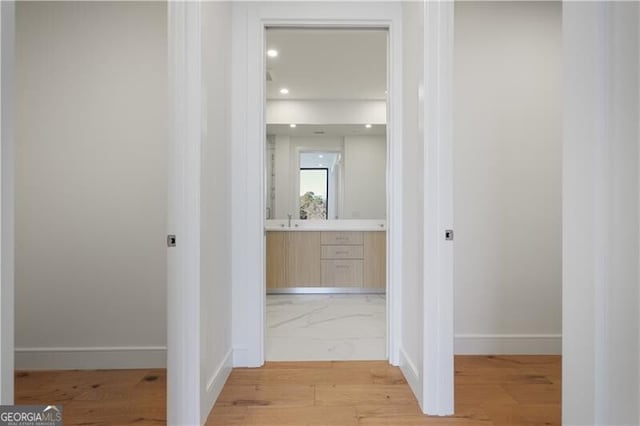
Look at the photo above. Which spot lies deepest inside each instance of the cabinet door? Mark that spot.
(276, 254)
(303, 259)
(375, 260)
(342, 273)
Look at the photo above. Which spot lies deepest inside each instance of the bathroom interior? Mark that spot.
(326, 194)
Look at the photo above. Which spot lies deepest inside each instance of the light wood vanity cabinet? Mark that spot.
(302, 265)
(326, 259)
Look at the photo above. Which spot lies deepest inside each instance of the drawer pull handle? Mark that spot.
(342, 252)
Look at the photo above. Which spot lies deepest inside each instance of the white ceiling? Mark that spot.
(326, 129)
(327, 63)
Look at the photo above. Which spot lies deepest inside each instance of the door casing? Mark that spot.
(250, 282)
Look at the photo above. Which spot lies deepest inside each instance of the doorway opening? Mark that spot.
(326, 197)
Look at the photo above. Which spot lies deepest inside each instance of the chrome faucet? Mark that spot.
(289, 220)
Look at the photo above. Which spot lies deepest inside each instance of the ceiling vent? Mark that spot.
(318, 132)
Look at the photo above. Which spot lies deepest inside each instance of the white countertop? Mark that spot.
(326, 225)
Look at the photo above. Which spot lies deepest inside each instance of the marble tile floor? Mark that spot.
(326, 327)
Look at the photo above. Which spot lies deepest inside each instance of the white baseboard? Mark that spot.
(508, 344)
(215, 384)
(410, 373)
(89, 358)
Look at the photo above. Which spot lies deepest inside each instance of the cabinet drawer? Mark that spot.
(338, 237)
(342, 273)
(342, 252)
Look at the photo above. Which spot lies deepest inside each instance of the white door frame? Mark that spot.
(438, 303)
(183, 220)
(249, 302)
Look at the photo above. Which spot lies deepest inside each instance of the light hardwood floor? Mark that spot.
(493, 390)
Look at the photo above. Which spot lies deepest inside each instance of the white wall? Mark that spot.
(7, 201)
(215, 254)
(507, 183)
(248, 304)
(600, 210)
(91, 184)
(365, 186)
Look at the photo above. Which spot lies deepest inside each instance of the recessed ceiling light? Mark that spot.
(292, 125)
(272, 53)
(284, 91)
(368, 126)
(319, 164)
(320, 156)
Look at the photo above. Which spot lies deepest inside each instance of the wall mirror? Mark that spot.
(326, 150)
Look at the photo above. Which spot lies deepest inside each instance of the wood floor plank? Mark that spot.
(525, 414)
(316, 415)
(364, 395)
(267, 395)
(480, 376)
(288, 376)
(534, 393)
(482, 395)
(111, 412)
(552, 371)
(222, 415)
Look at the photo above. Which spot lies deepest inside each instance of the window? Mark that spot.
(314, 192)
